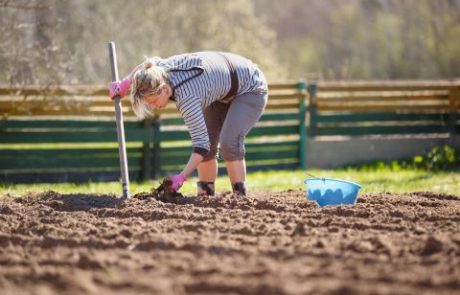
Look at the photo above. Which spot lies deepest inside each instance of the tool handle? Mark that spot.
(120, 125)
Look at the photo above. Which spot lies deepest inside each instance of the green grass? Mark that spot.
(375, 180)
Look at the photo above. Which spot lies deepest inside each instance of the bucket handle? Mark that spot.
(322, 178)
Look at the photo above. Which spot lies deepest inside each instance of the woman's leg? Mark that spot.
(207, 174)
(236, 170)
(207, 170)
(243, 113)
(214, 116)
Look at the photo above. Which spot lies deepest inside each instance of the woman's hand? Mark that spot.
(174, 183)
(119, 88)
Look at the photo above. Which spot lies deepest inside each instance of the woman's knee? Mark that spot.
(232, 149)
(211, 154)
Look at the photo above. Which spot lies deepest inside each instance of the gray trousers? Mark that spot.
(229, 123)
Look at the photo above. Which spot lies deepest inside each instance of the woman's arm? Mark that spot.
(192, 164)
(174, 183)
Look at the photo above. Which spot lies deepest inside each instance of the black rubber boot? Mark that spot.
(239, 189)
(205, 188)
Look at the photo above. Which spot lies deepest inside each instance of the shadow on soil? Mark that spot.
(73, 202)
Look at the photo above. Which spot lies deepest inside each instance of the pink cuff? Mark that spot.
(177, 181)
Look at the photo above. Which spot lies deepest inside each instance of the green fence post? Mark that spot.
(156, 164)
(312, 109)
(146, 167)
(454, 103)
(302, 132)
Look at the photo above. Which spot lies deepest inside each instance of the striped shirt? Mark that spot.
(199, 79)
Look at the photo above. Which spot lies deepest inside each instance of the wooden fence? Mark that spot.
(383, 108)
(68, 133)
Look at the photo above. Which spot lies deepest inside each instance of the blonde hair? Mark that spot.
(146, 79)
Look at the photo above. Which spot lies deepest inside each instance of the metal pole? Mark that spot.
(120, 126)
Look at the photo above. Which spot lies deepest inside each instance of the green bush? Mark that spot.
(439, 158)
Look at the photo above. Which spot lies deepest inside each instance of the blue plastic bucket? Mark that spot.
(329, 191)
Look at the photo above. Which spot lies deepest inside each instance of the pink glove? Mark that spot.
(174, 183)
(119, 87)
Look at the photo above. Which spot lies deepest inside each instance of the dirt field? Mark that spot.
(264, 244)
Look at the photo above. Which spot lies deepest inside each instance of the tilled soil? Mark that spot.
(266, 243)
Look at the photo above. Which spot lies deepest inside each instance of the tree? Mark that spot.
(366, 39)
(76, 32)
(28, 51)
